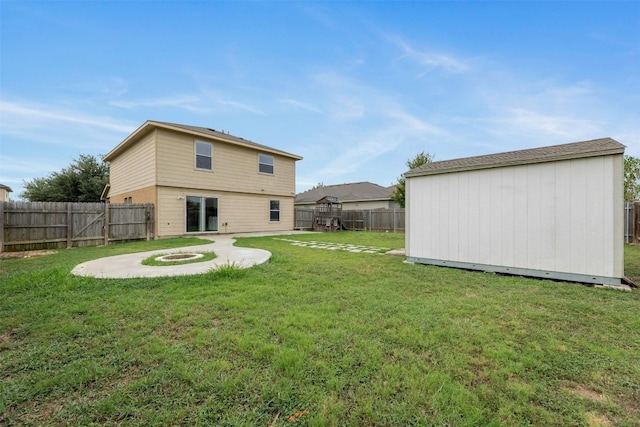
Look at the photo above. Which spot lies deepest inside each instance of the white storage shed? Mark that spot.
(553, 212)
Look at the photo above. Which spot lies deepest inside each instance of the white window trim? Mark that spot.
(273, 164)
(195, 155)
(279, 210)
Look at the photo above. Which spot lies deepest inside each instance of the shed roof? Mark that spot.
(356, 191)
(6, 188)
(574, 150)
(195, 131)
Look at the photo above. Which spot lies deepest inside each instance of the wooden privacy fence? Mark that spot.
(632, 222)
(304, 218)
(358, 220)
(52, 225)
(394, 220)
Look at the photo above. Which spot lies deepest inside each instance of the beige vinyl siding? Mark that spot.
(235, 168)
(555, 216)
(143, 195)
(245, 213)
(171, 212)
(159, 167)
(241, 212)
(135, 168)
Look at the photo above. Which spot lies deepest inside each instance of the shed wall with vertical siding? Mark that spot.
(560, 219)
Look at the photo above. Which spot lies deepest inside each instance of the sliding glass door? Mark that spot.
(202, 214)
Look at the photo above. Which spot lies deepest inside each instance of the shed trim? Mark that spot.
(574, 150)
(516, 271)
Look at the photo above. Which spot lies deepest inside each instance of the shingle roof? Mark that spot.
(356, 191)
(222, 135)
(196, 131)
(574, 150)
(6, 187)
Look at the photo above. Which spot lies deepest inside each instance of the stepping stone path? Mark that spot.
(337, 246)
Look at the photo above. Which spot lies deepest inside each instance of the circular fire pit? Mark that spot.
(178, 257)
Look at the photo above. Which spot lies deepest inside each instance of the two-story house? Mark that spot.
(202, 180)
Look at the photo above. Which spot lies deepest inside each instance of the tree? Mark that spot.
(318, 185)
(631, 178)
(420, 159)
(82, 181)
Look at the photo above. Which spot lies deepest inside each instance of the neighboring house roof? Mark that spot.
(354, 192)
(6, 187)
(195, 131)
(574, 150)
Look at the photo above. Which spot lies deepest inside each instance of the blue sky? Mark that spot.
(356, 88)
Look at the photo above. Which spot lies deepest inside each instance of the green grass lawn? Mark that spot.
(351, 338)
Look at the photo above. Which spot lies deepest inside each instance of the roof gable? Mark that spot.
(357, 191)
(574, 150)
(196, 131)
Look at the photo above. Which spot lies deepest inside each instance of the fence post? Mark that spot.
(636, 218)
(394, 220)
(626, 222)
(69, 226)
(2, 205)
(106, 223)
(636, 229)
(147, 218)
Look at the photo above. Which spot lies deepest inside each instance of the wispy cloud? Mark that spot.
(396, 128)
(300, 105)
(542, 112)
(96, 87)
(498, 111)
(241, 106)
(430, 60)
(545, 127)
(315, 12)
(367, 126)
(15, 115)
(188, 102)
(345, 108)
(15, 171)
(46, 137)
(43, 127)
(204, 103)
(345, 98)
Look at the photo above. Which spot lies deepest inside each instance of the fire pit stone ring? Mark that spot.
(179, 257)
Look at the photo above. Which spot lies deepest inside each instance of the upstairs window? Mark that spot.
(265, 164)
(204, 155)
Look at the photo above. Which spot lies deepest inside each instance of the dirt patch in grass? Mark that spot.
(594, 419)
(25, 254)
(597, 420)
(4, 337)
(8, 336)
(589, 394)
